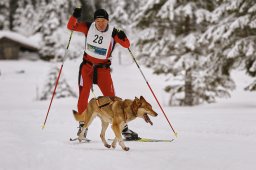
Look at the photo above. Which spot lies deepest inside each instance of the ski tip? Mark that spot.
(43, 126)
(176, 134)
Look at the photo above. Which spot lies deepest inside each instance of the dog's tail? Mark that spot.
(77, 116)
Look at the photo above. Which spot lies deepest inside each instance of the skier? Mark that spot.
(101, 38)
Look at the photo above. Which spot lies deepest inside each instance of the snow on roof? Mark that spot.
(25, 41)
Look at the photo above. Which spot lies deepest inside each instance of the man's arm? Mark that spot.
(73, 23)
(121, 38)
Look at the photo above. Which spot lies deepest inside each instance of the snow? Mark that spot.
(218, 136)
(202, 15)
(253, 24)
(252, 9)
(190, 41)
(32, 42)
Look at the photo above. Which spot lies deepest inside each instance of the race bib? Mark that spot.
(97, 43)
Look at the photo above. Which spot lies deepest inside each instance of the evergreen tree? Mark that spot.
(25, 18)
(231, 38)
(170, 45)
(12, 8)
(63, 89)
(4, 13)
(53, 45)
(122, 12)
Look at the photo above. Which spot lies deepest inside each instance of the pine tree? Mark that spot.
(25, 18)
(63, 89)
(231, 38)
(12, 9)
(169, 44)
(122, 12)
(53, 18)
(53, 45)
(117, 12)
(52, 22)
(4, 13)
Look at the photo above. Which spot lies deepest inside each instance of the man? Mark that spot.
(95, 68)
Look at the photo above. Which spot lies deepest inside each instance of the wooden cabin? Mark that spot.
(12, 43)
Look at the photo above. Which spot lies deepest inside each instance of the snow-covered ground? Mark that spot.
(219, 136)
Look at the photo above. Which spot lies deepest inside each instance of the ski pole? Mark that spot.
(57, 80)
(152, 92)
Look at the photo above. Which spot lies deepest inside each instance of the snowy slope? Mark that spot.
(219, 136)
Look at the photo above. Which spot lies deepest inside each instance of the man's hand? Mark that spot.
(121, 35)
(77, 12)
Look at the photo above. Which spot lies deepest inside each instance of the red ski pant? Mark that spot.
(105, 84)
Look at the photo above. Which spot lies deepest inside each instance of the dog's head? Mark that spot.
(143, 109)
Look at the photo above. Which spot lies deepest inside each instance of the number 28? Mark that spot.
(98, 39)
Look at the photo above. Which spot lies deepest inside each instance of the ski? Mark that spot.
(154, 140)
(138, 140)
(147, 140)
(83, 140)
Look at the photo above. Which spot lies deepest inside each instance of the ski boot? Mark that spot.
(82, 136)
(129, 135)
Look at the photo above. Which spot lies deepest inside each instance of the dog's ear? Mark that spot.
(137, 102)
(142, 98)
(135, 105)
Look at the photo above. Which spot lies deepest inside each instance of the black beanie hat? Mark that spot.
(100, 13)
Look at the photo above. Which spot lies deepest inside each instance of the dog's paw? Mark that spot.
(113, 146)
(126, 148)
(107, 146)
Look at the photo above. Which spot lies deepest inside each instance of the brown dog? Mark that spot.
(116, 111)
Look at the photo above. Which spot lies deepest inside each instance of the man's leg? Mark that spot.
(106, 86)
(84, 92)
(105, 82)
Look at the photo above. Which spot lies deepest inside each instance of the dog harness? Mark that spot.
(134, 110)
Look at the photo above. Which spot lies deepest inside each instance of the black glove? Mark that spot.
(77, 12)
(121, 35)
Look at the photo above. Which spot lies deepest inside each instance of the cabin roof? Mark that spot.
(24, 42)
